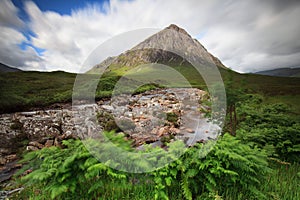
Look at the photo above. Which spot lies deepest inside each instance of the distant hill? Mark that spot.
(283, 72)
(4, 68)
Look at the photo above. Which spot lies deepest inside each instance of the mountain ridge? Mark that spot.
(5, 68)
(281, 72)
(171, 44)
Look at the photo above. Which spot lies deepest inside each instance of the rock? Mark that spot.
(28, 171)
(174, 130)
(57, 142)
(190, 130)
(36, 130)
(187, 107)
(7, 171)
(31, 148)
(43, 140)
(66, 135)
(36, 144)
(107, 107)
(4, 151)
(17, 165)
(147, 112)
(11, 157)
(2, 161)
(143, 117)
(49, 143)
(154, 131)
(162, 131)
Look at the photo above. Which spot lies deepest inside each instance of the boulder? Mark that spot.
(57, 142)
(36, 144)
(49, 143)
(174, 131)
(162, 131)
(31, 148)
(189, 130)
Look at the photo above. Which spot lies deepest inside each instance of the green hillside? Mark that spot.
(25, 90)
(284, 72)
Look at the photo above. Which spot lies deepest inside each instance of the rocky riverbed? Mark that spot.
(154, 117)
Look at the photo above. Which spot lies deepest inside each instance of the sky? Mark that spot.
(246, 35)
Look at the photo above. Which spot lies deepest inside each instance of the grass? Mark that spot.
(291, 100)
(283, 184)
(110, 191)
(21, 91)
(24, 90)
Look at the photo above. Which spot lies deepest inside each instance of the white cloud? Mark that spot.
(11, 38)
(8, 14)
(247, 35)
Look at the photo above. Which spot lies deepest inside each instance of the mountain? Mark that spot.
(4, 68)
(168, 46)
(283, 72)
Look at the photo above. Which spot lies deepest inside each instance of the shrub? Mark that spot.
(229, 166)
(73, 172)
(271, 127)
(173, 118)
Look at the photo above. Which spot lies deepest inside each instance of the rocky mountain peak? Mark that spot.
(169, 44)
(177, 28)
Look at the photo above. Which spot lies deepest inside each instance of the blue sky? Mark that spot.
(62, 7)
(49, 35)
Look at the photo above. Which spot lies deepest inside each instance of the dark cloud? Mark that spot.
(280, 5)
(252, 34)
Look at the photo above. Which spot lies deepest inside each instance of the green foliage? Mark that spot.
(126, 124)
(71, 171)
(68, 172)
(118, 140)
(166, 139)
(230, 164)
(283, 183)
(269, 126)
(172, 118)
(107, 83)
(19, 91)
(107, 120)
(146, 87)
(230, 170)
